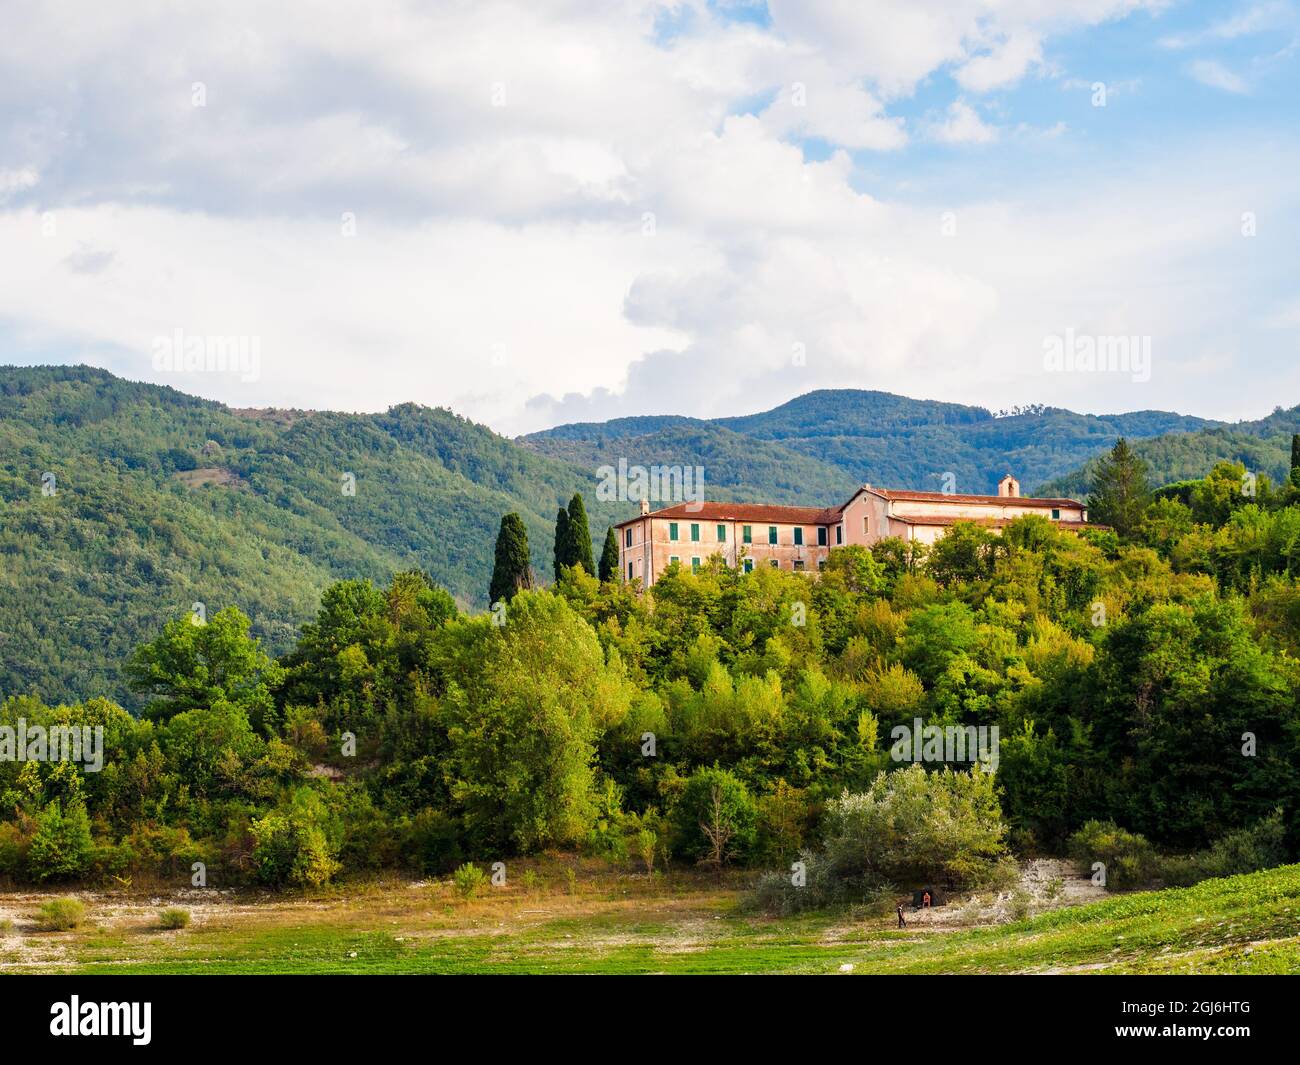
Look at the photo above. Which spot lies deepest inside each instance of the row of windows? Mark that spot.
(747, 565)
(746, 534)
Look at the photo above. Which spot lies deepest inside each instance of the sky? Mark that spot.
(563, 211)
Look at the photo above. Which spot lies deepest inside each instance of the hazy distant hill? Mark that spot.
(815, 445)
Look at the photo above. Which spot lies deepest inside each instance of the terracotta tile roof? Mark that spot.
(783, 515)
(948, 519)
(746, 512)
(940, 497)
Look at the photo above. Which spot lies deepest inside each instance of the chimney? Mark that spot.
(645, 507)
(1009, 487)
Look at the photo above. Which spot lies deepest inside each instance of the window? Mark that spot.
(748, 567)
(821, 564)
(774, 563)
(798, 563)
(771, 534)
(695, 533)
(839, 534)
(1056, 514)
(722, 534)
(821, 536)
(864, 525)
(629, 571)
(672, 530)
(627, 538)
(695, 564)
(747, 533)
(672, 559)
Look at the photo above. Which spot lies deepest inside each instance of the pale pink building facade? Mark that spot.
(801, 538)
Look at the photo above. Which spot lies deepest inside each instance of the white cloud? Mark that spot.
(894, 44)
(1003, 65)
(635, 230)
(1258, 18)
(1215, 75)
(962, 125)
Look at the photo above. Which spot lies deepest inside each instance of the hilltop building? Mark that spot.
(800, 538)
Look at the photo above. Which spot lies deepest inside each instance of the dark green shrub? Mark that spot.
(1128, 857)
(1261, 846)
(431, 843)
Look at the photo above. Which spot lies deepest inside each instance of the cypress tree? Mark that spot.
(609, 557)
(1120, 491)
(511, 571)
(563, 542)
(1295, 459)
(580, 534)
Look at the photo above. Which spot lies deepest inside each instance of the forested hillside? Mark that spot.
(827, 439)
(1262, 446)
(160, 500)
(1139, 693)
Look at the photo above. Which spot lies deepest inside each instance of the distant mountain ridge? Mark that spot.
(830, 440)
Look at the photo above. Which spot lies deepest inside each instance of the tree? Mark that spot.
(291, 844)
(609, 557)
(524, 708)
(62, 845)
(511, 570)
(1295, 459)
(965, 553)
(563, 542)
(580, 536)
(912, 826)
(192, 666)
(1120, 491)
(715, 819)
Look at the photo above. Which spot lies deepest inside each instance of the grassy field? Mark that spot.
(606, 922)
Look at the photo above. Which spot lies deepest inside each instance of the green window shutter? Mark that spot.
(722, 534)
(798, 536)
(695, 532)
(747, 533)
(771, 534)
(821, 536)
(672, 530)
(695, 564)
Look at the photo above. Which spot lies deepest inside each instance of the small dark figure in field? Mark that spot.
(925, 901)
(901, 922)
